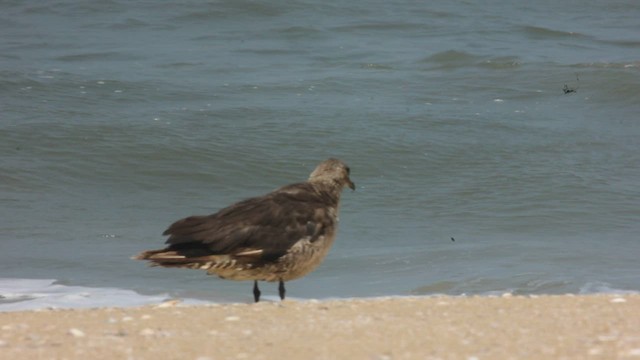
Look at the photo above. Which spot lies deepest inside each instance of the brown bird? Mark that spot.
(280, 236)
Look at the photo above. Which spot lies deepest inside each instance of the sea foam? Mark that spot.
(32, 294)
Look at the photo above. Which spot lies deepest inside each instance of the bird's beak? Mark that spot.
(351, 185)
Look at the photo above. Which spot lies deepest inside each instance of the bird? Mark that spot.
(280, 236)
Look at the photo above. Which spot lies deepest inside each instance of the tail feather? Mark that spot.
(198, 257)
(173, 258)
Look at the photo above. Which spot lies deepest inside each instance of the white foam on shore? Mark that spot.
(600, 287)
(32, 294)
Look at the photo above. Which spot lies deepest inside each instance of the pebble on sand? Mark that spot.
(76, 332)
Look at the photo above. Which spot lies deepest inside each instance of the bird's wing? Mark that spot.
(264, 227)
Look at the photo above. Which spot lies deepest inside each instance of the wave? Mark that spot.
(32, 294)
(528, 286)
(600, 287)
(98, 56)
(540, 33)
(453, 59)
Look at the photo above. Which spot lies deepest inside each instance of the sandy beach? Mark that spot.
(507, 327)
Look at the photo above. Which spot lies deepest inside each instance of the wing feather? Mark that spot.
(268, 225)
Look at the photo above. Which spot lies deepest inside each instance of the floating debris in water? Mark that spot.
(568, 89)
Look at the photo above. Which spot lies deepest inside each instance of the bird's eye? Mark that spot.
(348, 171)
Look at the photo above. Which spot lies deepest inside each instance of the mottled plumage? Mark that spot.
(280, 236)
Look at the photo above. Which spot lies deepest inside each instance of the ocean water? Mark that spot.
(118, 118)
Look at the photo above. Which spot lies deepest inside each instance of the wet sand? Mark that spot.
(507, 327)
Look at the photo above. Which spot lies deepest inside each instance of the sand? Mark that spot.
(507, 327)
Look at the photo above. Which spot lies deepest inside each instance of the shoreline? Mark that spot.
(601, 326)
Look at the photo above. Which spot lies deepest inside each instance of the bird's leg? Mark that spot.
(281, 290)
(256, 291)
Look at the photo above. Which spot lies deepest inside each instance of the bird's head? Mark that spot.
(333, 171)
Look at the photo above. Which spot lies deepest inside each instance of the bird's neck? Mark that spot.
(329, 190)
